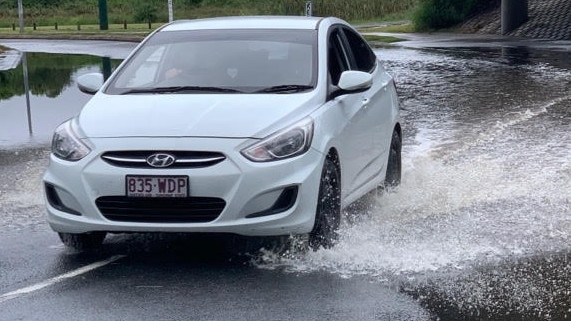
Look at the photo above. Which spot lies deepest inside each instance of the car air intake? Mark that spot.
(160, 210)
(55, 201)
(285, 201)
(182, 159)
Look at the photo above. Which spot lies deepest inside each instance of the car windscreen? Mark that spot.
(231, 61)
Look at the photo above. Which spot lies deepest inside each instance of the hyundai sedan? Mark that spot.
(256, 126)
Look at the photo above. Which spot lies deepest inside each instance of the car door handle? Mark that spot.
(365, 102)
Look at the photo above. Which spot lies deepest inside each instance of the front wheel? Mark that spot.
(328, 212)
(84, 241)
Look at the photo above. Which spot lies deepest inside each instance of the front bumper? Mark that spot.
(250, 191)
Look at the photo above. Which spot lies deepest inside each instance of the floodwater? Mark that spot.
(53, 96)
(481, 225)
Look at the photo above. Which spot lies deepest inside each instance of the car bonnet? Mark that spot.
(196, 115)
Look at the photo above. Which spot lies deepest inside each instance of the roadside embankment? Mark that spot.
(548, 19)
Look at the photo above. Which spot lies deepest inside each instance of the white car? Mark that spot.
(257, 126)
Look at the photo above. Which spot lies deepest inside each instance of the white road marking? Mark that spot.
(33, 288)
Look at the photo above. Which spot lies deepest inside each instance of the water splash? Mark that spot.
(446, 216)
(480, 183)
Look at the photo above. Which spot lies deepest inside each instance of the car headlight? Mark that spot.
(66, 145)
(290, 142)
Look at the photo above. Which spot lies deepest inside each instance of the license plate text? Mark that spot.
(156, 186)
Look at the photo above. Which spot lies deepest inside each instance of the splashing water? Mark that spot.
(447, 216)
(479, 183)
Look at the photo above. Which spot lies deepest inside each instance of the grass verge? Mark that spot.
(384, 39)
(136, 32)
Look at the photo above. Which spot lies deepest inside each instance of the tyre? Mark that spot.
(328, 212)
(394, 165)
(84, 241)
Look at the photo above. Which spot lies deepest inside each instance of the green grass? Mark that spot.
(385, 39)
(76, 21)
(392, 28)
(72, 12)
(140, 27)
(133, 32)
(425, 14)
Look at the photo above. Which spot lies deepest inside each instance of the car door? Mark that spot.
(354, 141)
(377, 102)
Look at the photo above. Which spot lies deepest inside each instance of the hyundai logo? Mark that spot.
(161, 160)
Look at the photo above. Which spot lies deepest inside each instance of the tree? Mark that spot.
(146, 12)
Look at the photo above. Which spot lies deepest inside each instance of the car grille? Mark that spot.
(184, 159)
(160, 210)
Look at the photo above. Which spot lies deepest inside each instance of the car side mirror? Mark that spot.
(90, 83)
(351, 82)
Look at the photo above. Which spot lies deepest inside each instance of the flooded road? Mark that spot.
(480, 228)
(53, 96)
(481, 224)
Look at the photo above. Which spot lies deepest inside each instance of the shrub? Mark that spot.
(192, 3)
(145, 12)
(438, 14)
(350, 10)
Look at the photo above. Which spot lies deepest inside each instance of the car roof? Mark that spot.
(246, 22)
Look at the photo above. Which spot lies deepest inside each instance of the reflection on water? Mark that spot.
(53, 95)
(9, 58)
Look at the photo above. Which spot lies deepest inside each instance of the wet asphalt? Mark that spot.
(185, 281)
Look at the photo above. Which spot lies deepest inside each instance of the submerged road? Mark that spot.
(479, 230)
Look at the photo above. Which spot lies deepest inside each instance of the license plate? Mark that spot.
(156, 186)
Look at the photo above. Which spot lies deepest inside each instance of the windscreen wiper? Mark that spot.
(285, 89)
(179, 89)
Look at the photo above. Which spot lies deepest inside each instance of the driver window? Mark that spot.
(337, 59)
(364, 58)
